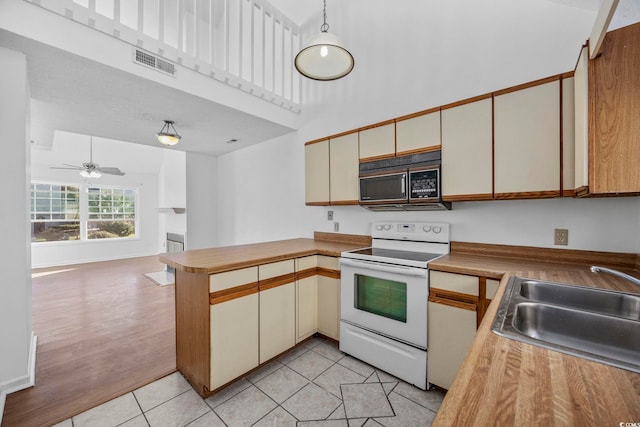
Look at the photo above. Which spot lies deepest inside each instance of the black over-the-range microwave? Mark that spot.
(410, 183)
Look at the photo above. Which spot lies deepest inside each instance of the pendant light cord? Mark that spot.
(325, 27)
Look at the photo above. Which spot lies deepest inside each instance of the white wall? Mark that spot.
(412, 56)
(202, 184)
(172, 194)
(15, 285)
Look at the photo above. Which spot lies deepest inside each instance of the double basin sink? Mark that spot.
(595, 324)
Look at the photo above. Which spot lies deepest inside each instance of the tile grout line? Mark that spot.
(141, 410)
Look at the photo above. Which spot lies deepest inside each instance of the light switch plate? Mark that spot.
(330, 215)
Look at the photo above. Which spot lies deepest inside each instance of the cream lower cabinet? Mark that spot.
(329, 297)
(451, 332)
(277, 318)
(306, 297)
(234, 339)
(233, 325)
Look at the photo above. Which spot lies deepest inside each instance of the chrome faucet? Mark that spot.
(598, 269)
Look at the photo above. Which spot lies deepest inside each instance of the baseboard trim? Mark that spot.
(98, 259)
(23, 382)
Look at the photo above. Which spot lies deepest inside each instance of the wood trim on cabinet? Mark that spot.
(466, 101)
(274, 282)
(568, 193)
(452, 295)
(467, 197)
(233, 293)
(531, 253)
(193, 335)
(568, 74)
(420, 150)
(345, 133)
(637, 263)
(356, 239)
(493, 147)
(482, 299)
(561, 130)
(316, 141)
(344, 202)
(453, 303)
(527, 195)
(528, 85)
(374, 158)
(417, 114)
(327, 272)
(309, 272)
(377, 125)
(318, 203)
(582, 191)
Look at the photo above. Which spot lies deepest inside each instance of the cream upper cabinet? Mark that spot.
(316, 171)
(527, 142)
(378, 142)
(581, 129)
(344, 169)
(467, 170)
(419, 133)
(568, 137)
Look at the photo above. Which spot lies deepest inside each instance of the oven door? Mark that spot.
(387, 299)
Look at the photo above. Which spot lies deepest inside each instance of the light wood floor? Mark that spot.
(103, 329)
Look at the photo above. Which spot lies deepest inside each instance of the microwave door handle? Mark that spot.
(403, 187)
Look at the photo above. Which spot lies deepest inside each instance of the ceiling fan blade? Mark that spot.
(75, 168)
(111, 171)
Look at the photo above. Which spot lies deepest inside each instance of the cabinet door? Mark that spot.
(329, 307)
(418, 134)
(581, 99)
(306, 307)
(467, 162)
(451, 332)
(568, 138)
(277, 320)
(527, 142)
(316, 172)
(614, 85)
(378, 142)
(344, 169)
(234, 339)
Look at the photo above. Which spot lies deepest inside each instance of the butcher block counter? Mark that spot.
(506, 382)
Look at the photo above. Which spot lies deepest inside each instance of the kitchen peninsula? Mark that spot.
(238, 307)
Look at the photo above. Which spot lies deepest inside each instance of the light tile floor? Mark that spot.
(312, 385)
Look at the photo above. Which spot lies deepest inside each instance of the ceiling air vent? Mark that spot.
(145, 58)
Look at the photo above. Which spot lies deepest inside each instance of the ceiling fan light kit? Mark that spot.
(92, 170)
(324, 57)
(168, 134)
(90, 173)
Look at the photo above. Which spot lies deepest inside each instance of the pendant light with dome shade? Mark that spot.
(168, 135)
(324, 57)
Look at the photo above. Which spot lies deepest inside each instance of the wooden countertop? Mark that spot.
(506, 382)
(216, 260)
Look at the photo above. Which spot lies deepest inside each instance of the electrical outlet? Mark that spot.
(336, 227)
(330, 215)
(561, 236)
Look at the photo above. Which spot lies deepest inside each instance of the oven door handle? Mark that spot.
(396, 269)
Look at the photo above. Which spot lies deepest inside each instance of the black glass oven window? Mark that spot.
(383, 187)
(383, 297)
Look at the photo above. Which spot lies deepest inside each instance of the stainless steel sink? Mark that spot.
(583, 298)
(594, 324)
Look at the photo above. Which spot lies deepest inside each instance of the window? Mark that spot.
(55, 212)
(112, 213)
(62, 212)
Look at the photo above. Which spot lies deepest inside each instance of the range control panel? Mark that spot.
(415, 231)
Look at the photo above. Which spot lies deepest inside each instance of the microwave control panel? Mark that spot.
(424, 184)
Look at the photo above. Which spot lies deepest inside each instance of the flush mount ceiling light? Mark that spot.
(324, 57)
(168, 134)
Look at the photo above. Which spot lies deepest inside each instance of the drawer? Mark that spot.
(231, 279)
(275, 269)
(329, 262)
(454, 282)
(306, 263)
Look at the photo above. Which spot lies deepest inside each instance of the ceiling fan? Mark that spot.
(90, 169)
